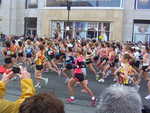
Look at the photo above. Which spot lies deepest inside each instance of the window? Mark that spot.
(30, 26)
(79, 30)
(142, 4)
(31, 4)
(84, 3)
(141, 31)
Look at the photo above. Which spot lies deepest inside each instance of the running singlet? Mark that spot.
(40, 60)
(49, 54)
(122, 79)
(69, 60)
(10, 51)
(80, 63)
(28, 50)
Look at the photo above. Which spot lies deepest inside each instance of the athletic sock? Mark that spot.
(72, 97)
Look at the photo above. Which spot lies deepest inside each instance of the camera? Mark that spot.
(16, 69)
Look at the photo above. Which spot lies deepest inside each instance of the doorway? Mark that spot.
(30, 26)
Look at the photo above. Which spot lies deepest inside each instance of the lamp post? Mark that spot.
(68, 19)
(68, 9)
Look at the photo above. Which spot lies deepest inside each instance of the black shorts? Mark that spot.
(144, 68)
(29, 55)
(20, 54)
(116, 60)
(52, 56)
(96, 58)
(79, 77)
(57, 56)
(69, 66)
(88, 61)
(104, 59)
(112, 64)
(137, 64)
(39, 67)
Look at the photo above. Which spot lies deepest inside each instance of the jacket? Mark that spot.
(27, 90)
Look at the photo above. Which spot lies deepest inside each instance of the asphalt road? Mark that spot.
(57, 86)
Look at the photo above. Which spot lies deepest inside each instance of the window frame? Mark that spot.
(120, 7)
(136, 6)
(74, 29)
(27, 6)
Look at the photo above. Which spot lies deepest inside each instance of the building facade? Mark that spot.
(124, 20)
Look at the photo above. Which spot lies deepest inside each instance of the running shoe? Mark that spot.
(38, 85)
(46, 81)
(147, 97)
(14, 78)
(93, 102)
(66, 80)
(114, 80)
(97, 77)
(84, 91)
(46, 70)
(69, 100)
(101, 81)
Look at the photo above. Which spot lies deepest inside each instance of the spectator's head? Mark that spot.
(119, 99)
(20, 43)
(8, 44)
(41, 47)
(126, 58)
(42, 103)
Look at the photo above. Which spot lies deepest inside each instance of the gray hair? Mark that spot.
(120, 99)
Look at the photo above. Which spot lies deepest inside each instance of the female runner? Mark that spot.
(39, 61)
(79, 77)
(20, 52)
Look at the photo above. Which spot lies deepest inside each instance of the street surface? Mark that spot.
(57, 86)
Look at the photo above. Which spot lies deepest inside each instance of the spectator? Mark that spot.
(120, 99)
(42, 103)
(146, 109)
(26, 87)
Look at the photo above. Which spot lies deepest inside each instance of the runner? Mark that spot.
(29, 51)
(126, 71)
(39, 61)
(20, 50)
(79, 77)
(50, 54)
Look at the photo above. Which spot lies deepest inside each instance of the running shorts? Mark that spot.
(79, 77)
(39, 67)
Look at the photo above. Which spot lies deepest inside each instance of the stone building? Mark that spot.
(124, 20)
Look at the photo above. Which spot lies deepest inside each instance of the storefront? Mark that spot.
(81, 29)
(88, 19)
